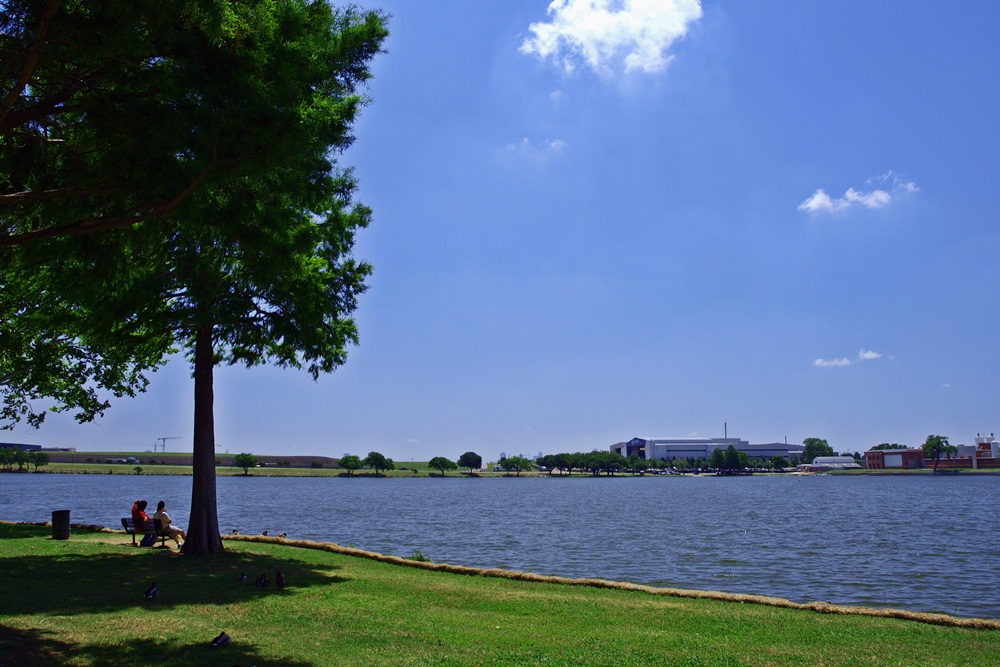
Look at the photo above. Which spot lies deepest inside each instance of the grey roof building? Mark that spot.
(666, 449)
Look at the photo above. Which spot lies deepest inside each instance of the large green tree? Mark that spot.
(249, 269)
(470, 460)
(115, 114)
(815, 447)
(350, 463)
(246, 461)
(443, 464)
(936, 445)
(378, 462)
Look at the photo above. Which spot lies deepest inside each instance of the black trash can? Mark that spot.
(60, 525)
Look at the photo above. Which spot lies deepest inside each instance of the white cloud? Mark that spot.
(600, 33)
(537, 150)
(832, 363)
(820, 202)
(863, 355)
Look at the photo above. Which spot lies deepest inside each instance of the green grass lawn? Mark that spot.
(80, 602)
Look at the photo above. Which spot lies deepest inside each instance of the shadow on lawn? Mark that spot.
(102, 582)
(43, 649)
(22, 531)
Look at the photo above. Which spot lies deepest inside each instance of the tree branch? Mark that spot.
(15, 198)
(93, 225)
(33, 55)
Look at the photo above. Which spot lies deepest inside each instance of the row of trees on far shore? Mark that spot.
(380, 463)
(15, 456)
(728, 460)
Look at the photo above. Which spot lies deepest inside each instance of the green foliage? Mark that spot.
(779, 462)
(235, 112)
(350, 463)
(246, 461)
(732, 461)
(815, 447)
(38, 459)
(443, 464)
(718, 459)
(886, 445)
(936, 445)
(515, 464)
(378, 462)
(470, 460)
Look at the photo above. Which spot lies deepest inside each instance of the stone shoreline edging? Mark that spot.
(818, 607)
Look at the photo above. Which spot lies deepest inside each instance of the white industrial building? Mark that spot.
(667, 449)
(832, 463)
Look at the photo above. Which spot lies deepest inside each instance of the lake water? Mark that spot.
(913, 542)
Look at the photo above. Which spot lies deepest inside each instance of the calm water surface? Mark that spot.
(922, 543)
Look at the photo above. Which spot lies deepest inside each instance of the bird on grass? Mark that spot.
(279, 579)
(264, 533)
(262, 581)
(242, 578)
(151, 592)
(235, 532)
(282, 535)
(222, 640)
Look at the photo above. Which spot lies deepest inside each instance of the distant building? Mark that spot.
(16, 445)
(985, 453)
(822, 463)
(667, 449)
(902, 458)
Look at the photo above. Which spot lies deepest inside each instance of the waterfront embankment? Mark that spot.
(80, 602)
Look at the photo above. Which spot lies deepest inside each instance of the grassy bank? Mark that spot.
(80, 602)
(412, 469)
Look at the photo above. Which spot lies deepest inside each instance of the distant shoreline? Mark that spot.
(421, 470)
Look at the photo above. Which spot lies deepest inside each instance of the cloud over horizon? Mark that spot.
(880, 197)
(598, 32)
(863, 355)
(537, 150)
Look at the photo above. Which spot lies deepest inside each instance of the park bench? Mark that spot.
(129, 525)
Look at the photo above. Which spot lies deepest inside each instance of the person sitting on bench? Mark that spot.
(143, 524)
(165, 528)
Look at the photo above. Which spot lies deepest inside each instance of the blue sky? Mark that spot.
(595, 220)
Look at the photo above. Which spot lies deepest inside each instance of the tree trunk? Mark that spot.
(203, 535)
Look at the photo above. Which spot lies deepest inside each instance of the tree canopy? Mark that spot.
(350, 463)
(379, 462)
(936, 445)
(251, 101)
(815, 447)
(470, 460)
(443, 464)
(246, 461)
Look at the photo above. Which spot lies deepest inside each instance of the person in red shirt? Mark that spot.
(140, 518)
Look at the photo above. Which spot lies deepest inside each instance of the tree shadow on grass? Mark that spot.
(22, 531)
(43, 649)
(76, 583)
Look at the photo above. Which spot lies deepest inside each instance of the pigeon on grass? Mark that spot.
(222, 640)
